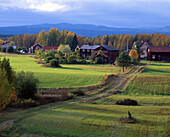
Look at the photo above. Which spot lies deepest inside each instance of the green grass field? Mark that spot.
(92, 120)
(154, 80)
(67, 76)
(96, 118)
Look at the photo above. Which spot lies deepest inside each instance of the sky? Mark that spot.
(113, 13)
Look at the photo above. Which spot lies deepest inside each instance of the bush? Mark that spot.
(48, 58)
(3, 49)
(71, 59)
(10, 49)
(82, 61)
(54, 63)
(92, 57)
(62, 61)
(77, 92)
(58, 55)
(99, 60)
(26, 85)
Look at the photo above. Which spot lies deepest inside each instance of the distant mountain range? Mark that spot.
(80, 29)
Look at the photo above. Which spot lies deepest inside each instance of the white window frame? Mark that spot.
(153, 56)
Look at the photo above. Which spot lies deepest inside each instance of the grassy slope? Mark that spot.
(97, 120)
(67, 76)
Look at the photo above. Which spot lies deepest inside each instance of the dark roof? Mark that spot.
(149, 43)
(146, 45)
(159, 49)
(89, 47)
(108, 47)
(36, 44)
(49, 48)
(97, 46)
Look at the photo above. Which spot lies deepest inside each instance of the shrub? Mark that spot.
(3, 49)
(62, 61)
(51, 53)
(26, 85)
(39, 53)
(99, 60)
(54, 63)
(82, 61)
(77, 92)
(48, 58)
(71, 59)
(10, 49)
(58, 55)
(92, 57)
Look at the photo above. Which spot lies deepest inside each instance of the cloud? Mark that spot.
(68, 5)
(37, 5)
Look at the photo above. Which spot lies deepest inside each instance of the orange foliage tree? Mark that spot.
(133, 54)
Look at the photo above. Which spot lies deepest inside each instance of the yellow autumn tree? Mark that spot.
(5, 90)
(133, 54)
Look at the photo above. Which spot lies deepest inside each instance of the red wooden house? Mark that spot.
(109, 53)
(37, 46)
(158, 53)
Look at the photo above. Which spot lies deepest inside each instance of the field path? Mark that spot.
(117, 85)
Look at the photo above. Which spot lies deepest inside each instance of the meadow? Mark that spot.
(99, 117)
(90, 120)
(154, 80)
(67, 76)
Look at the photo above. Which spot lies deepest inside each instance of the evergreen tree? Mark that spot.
(74, 43)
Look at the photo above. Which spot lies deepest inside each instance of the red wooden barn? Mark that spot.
(158, 53)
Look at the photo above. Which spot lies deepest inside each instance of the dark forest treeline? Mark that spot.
(54, 37)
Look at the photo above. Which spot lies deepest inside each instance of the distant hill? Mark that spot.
(80, 29)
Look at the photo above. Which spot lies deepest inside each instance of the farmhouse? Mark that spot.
(109, 53)
(144, 48)
(37, 46)
(158, 53)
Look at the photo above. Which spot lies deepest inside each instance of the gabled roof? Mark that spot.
(159, 49)
(89, 47)
(150, 44)
(49, 48)
(36, 44)
(146, 44)
(97, 46)
(108, 47)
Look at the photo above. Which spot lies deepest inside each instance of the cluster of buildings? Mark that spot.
(8, 45)
(149, 51)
